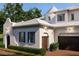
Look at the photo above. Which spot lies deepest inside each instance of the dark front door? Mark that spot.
(69, 42)
(8, 40)
(45, 42)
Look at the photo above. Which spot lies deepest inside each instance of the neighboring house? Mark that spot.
(55, 26)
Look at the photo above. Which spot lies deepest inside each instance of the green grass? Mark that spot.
(1, 40)
(1, 35)
(17, 53)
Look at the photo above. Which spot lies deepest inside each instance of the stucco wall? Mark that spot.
(68, 15)
(76, 15)
(39, 32)
(7, 27)
(50, 36)
(53, 16)
(15, 37)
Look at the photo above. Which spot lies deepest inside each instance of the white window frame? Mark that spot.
(63, 17)
(28, 40)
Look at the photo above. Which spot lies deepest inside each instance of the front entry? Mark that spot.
(8, 40)
(45, 42)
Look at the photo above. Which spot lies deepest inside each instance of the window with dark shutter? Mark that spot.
(31, 37)
(49, 18)
(21, 36)
(72, 16)
(61, 17)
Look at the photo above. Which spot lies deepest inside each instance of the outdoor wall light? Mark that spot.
(70, 29)
(45, 27)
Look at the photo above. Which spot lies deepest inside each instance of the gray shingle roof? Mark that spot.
(68, 8)
(35, 21)
(63, 24)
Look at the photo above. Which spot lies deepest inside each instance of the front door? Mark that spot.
(45, 42)
(8, 40)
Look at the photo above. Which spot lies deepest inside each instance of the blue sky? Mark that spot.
(45, 6)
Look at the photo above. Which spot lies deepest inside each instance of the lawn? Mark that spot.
(11, 51)
(1, 40)
(1, 35)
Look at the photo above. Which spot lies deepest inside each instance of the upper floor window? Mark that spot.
(31, 37)
(49, 18)
(72, 16)
(61, 17)
(21, 36)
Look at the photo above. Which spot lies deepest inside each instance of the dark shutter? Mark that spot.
(72, 16)
(28, 38)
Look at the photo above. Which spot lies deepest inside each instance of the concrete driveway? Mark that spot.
(62, 53)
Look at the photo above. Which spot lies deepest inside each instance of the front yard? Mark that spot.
(1, 40)
(11, 52)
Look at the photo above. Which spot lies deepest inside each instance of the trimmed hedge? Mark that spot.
(40, 51)
(54, 46)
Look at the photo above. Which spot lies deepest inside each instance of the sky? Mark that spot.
(44, 7)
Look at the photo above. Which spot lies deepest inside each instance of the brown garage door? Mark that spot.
(69, 42)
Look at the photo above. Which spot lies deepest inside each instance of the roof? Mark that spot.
(68, 8)
(39, 21)
(52, 9)
(35, 21)
(64, 24)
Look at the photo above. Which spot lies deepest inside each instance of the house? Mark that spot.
(57, 25)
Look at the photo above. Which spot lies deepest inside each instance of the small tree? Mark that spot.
(54, 46)
(33, 13)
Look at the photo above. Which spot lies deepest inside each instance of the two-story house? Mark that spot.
(57, 25)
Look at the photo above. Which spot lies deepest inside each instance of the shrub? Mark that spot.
(2, 46)
(54, 46)
(40, 51)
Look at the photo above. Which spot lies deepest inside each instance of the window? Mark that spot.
(72, 16)
(21, 36)
(49, 18)
(61, 17)
(31, 37)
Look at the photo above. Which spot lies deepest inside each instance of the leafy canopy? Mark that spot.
(16, 13)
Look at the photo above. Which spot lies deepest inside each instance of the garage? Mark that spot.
(68, 42)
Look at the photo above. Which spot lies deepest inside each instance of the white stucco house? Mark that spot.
(57, 25)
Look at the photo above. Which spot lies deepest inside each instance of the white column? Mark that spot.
(5, 41)
(66, 16)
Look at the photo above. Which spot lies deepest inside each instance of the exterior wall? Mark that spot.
(39, 32)
(68, 15)
(50, 35)
(53, 16)
(64, 32)
(7, 27)
(62, 12)
(76, 15)
(15, 37)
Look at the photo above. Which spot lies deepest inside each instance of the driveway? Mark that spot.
(62, 53)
